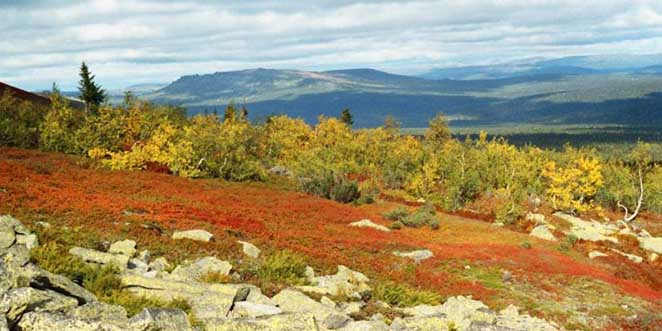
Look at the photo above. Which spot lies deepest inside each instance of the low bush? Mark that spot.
(284, 267)
(397, 214)
(331, 186)
(404, 296)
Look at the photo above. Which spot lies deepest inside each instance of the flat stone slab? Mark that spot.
(366, 223)
(198, 235)
(90, 255)
(417, 256)
(542, 232)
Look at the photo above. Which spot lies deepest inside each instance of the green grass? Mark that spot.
(404, 296)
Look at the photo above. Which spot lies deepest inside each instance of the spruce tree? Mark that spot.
(346, 117)
(90, 92)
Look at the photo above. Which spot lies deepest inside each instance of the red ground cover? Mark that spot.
(59, 185)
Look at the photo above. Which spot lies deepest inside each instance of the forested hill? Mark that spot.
(554, 94)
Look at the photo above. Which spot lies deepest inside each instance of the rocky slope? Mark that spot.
(34, 299)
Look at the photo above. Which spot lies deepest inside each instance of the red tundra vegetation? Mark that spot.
(74, 192)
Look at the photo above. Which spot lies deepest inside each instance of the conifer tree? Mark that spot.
(347, 117)
(90, 92)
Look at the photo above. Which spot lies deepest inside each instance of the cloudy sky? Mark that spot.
(138, 41)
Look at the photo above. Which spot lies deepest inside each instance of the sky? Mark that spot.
(146, 41)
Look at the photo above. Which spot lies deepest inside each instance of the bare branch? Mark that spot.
(634, 215)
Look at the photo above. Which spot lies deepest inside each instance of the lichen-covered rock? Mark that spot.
(251, 309)
(197, 235)
(366, 223)
(42, 279)
(44, 321)
(460, 311)
(426, 323)
(366, 326)
(100, 312)
(281, 322)
(542, 232)
(200, 267)
(90, 255)
(160, 319)
(510, 318)
(296, 302)
(125, 247)
(589, 231)
(336, 321)
(17, 302)
(344, 282)
(417, 255)
(249, 249)
(7, 236)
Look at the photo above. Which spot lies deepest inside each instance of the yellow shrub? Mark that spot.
(573, 188)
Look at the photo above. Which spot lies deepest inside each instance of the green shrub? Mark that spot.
(397, 214)
(425, 215)
(332, 187)
(404, 296)
(397, 225)
(56, 259)
(526, 245)
(283, 267)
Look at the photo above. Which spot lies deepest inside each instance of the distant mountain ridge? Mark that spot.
(577, 90)
(572, 65)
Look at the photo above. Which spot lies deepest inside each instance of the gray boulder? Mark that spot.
(417, 256)
(45, 321)
(159, 319)
(200, 267)
(17, 302)
(90, 255)
(125, 247)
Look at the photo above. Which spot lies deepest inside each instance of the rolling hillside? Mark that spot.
(563, 91)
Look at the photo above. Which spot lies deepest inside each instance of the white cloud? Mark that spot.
(143, 40)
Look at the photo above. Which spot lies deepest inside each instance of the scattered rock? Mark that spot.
(596, 254)
(653, 257)
(589, 231)
(28, 240)
(345, 281)
(125, 247)
(335, 321)
(296, 302)
(198, 235)
(366, 326)
(631, 257)
(251, 309)
(200, 267)
(351, 308)
(417, 256)
(539, 219)
(250, 249)
(366, 223)
(543, 232)
(507, 276)
(159, 264)
(19, 301)
(651, 244)
(159, 319)
(90, 255)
